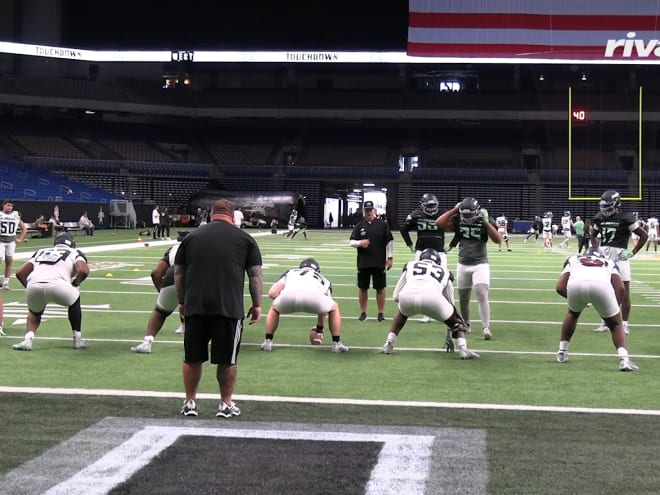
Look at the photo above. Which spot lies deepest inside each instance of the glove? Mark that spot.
(483, 213)
(624, 255)
(412, 248)
(449, 344)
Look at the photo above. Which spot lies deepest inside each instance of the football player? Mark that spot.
(10, 225)
(652, 228)
(566, 226)
(162, 277)
(304, 290)
(503, 229)
(422, 289)
(301, 226)
(534, 229)
(546, 230)
(53, 275)
(471, 225)
(593, 279)
(610, 232)
(293, 216)
(429, 235)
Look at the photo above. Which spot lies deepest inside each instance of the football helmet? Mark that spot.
(431, 255)
(567, 213)
(468, 210)
(64, 238)
(310, 263)
(547, 214)
(609, 202)
(429, 204)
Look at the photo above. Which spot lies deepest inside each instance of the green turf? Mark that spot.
(575, 453)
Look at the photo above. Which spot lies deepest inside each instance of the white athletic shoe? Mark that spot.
(339, 347)
(26, 345)
(602, 328)
(143, 348)
(79, 343)
(627, 365)
(388, 347)
(487, 334)
(2, 333)
(562, 356)
(426, 319)
(181, 329)
(267, 345)
(467, 354)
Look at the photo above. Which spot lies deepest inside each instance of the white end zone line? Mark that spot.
(331, 401)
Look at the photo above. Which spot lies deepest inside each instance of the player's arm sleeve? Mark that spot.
(389, 249)
(354, 243)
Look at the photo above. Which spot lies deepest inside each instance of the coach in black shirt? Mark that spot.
(375, 247)
(210, 268)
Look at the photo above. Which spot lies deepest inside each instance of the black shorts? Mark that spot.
(365, 275)
(223, 333)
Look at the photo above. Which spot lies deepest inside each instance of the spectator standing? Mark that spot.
(86, 224)
(53, 275)
(209, 276)
(10, 225)
(162, 277)
(155, 222)
(610, 233)
(422, 289)
(473, 228)
(375, 254)
(593, 279)
(304, 290)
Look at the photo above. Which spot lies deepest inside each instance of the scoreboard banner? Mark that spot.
(594, 30)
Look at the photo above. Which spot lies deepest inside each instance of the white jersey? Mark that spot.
(421, 289)
(566, 224)
(652, 224)
(56, 263)
(501, 223)
(307, 280)
(590, 268)
(547, 224)
(9, 223)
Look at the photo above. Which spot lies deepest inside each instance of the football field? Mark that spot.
(513, 421)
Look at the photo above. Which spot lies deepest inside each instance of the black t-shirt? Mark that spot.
(216, 257)
(379, 234)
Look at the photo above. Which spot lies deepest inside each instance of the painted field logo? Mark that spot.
(632, 47)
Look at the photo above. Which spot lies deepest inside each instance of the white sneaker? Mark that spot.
(487, 334)
(426, 319)
(181, 329)
(627, 365)
(339, 347)
(79, 343)
(267, 345)
(26, 345)
(143, 348)
(5, 285)
(388, 347)
(467, 354)
(562, 356)
(2, 333)
(602, 328)
(626, 330)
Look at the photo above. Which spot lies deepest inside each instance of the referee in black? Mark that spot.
(209, 276)
(375, 248)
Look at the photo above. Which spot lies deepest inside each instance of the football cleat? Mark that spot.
(267, 345)
(562, 356)
(189, 408)
(487, 334)
(79, 343)
(26, 345)
(627, 365)
(388, 347)
(467, 354)
(227, 411)
(143, 348)
(339, 347)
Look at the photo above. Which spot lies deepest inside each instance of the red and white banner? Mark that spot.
(535, 29)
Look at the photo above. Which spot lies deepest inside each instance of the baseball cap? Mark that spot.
(368, 205)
